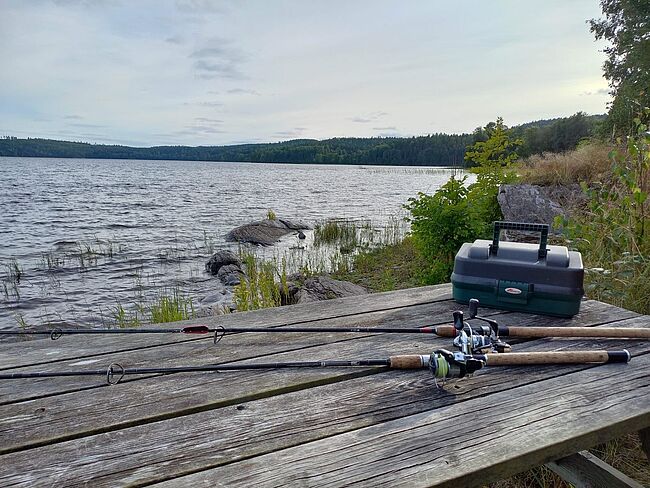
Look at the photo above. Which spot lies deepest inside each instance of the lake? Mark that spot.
(80, 238)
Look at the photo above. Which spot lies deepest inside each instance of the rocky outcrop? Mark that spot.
(318, 288)
(221, 258)
(230, 274)
(528, 203)
(264, 232)
(227, 266)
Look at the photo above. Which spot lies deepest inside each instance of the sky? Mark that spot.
(202, 72)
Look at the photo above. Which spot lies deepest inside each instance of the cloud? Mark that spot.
(73, 117)
(392, 128)
(199, 7)
(207, 120)
(174, 40)
(219, 59)
(295, 132)
(87, 126)
(369, 118)
(600, 92)
(243, 91)
(201, 129)
(209, 104)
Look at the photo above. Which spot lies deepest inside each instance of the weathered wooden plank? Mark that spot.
(460, 445)
(84, 412)
(250, 345)
(33, 352)
(584, 470)
(253, 427)
(231, 348)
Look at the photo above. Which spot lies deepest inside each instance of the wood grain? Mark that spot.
(42, 351)
(229, 428)
(234, 431)
(453, 446)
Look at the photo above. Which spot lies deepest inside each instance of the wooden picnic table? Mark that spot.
(364, 426)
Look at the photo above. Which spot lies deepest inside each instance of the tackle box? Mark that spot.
(519, 276)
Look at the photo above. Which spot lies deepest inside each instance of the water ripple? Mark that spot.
(89, 234)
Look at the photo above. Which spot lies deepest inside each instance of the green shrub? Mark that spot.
(612, 234)
(455, 213)
(440, 224)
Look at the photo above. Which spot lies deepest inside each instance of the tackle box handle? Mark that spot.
(501, 225)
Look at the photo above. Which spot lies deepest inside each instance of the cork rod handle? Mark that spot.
(562, 357)
(409, 361)
(620, 332)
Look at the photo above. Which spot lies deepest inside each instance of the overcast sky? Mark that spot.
(202, 72)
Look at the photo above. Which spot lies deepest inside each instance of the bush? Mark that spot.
(455, 214)
(612, 234)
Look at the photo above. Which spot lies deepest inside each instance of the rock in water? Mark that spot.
(264, 232)
(221, 258)
(295, 224)
(230, 274)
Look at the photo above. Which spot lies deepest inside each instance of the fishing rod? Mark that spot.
(442, 363)
(481, 335)
(220, 331)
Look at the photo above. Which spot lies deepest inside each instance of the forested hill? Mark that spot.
(432, 150)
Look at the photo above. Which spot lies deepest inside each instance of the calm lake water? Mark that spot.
(80, 236)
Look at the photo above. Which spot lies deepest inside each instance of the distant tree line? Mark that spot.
(431, 150)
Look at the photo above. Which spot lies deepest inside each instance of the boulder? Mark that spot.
(230, 274)
(295, 224)
(324, 288)
(528, 203)
(221, 258)
(264, 232)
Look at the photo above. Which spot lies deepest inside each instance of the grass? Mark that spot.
(167, 306)
(343, 233)
(611, 228)
(11, 280)
(270, 215)
(589, 163)
(390, 267)
(260, 288)
(171, 307)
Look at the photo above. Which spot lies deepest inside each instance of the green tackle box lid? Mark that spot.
(549, 268)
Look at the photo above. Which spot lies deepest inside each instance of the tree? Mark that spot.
(496, 151)
(627, 27)
(492, 160)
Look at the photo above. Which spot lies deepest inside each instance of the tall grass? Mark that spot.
(13, 273)
(167, 306)
(588, 163)
(263, 285)
(343, 233)
(171, 307)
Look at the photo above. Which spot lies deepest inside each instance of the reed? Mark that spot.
(11, 280)
(340, 232)
(259, 288)
(166, 306)
(171, 307)
(52, 261)
(208, 243)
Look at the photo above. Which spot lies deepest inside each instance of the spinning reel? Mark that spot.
(477, 339)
